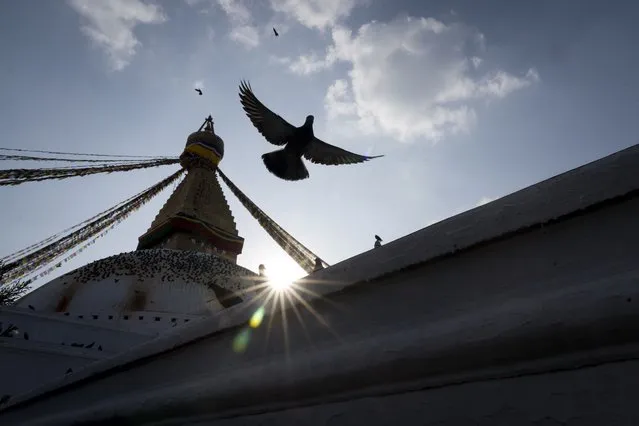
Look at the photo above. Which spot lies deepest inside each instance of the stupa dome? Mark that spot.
(206, 144)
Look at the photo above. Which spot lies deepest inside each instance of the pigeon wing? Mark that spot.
(320, 152)
(274, 128)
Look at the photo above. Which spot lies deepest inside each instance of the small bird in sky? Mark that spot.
(199, 91)
(275, 32)
(298, 142)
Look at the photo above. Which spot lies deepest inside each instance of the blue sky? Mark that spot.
(468, 100)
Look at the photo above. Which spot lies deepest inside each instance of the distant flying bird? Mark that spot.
(275, 32)
(199, 91)
(299, 142)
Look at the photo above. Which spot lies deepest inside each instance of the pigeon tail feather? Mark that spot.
(285, 165)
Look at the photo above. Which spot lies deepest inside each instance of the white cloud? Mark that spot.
(319, 14)
(246, 35)
(340, 99)
(111, 24)
(484, 200)
(309, 64)
(235, 10)
(243, 31)
(411, 77)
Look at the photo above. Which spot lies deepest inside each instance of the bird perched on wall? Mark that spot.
(275, 32)
(199, 91)
(378, 241)
(298, 142)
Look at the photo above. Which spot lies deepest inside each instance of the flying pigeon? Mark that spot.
(299, 142)
(275, 32)
(199, 91)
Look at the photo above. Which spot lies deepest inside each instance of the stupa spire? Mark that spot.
(197, 217)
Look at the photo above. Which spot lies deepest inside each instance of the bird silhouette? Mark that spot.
(299, 142)
(275, 32)
(199, 91)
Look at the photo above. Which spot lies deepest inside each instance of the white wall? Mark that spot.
(599, 396)
(26, 364)
(47, 352)
(57, 329)
(553, 298)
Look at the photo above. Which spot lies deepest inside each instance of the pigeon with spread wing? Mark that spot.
(298, 142)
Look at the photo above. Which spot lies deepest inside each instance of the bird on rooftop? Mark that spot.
(378, 241)
(275, 32)
(298, 142)
(199, 91)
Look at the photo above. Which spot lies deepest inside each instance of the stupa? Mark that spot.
(184, 269)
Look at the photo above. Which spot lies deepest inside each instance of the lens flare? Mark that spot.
(257, 317)
(241, 341)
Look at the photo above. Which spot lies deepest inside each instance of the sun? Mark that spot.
(282, 274)
(280, 284)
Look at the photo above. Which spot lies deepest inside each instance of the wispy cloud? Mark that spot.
(319, 14)
(246, 35)
(110, 25)
(243, 30)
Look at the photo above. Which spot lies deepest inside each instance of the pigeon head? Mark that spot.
(309, 120)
